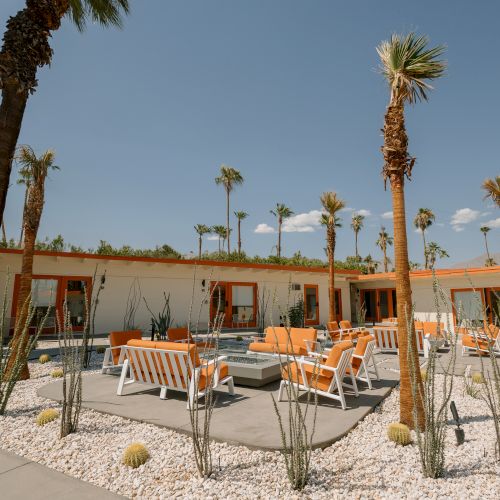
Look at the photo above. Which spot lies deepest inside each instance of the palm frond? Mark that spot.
(104, 12)
(492, 188)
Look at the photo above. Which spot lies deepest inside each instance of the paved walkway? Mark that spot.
(247, 419)
(23, 479)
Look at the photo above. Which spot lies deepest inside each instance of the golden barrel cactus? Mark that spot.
(44, 358)
(135, 455)
(399, 433)
(57, 373)
(477, 378)
(46, 416)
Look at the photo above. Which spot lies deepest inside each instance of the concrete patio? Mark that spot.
(246, 419)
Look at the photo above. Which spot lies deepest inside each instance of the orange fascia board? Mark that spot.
(187, 262)
(443, 273)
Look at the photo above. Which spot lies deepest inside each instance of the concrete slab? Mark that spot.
(247, 419)
(21, 479)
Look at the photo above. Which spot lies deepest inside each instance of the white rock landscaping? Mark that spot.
(364, 464)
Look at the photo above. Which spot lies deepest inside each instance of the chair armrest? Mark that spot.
(213, 361)
(313, 354)
(357, 356)
(116, 347)
(320, 366)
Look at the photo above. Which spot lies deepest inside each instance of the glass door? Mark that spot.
(493, 305)
(219, 304)
(73, 291)
(311, 305)
(338, 304)
(383, 305)
(242, 300)
(369, 299)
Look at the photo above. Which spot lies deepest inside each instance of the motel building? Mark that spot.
(240, 291)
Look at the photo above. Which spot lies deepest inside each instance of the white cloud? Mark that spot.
(302, 223)
(484, 214)
(347, 209)
(387, 215)
(494, 223)
(463, 216)
(364, 212)
(458, 229)
(213, 237)
(264, 229)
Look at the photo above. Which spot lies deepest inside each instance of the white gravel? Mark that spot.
(362, 465)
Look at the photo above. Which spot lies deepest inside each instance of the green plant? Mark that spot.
(100, 349)
(163, 319)
(135, 455)
(296, 314)
(44, 358)
(399, 433)
(46, 416)
(239, 338)
(58, 373)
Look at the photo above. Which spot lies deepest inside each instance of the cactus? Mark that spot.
(46, 416)
(399, 433)
(423, 374)
(100, 349)
(57, 373)
(135, 455)
(477, 378)
(44, 358)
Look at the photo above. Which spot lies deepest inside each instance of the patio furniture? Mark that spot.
(323, 377)
(361, 358)
(480, 342)
(115, 354)
(175, 366)
(181, 334)
(386, 338)
(279, 341)
(348, 330)
(394, 320)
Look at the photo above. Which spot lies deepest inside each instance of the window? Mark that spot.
(43, 296)
(242, 301)
(467, 307)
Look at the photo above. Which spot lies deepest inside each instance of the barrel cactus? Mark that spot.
(57, 373)
(477, 378)
(100, 349)
(44, 358)
(46, 416)
(135, 455)
(399, 433)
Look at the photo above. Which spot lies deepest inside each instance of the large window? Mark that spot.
(43, 297)
(242, 302)
(467, 307)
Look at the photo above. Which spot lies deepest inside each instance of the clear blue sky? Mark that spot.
(285, 91)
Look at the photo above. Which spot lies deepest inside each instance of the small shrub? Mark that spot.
(58, 373)
(46, 416)
(239, 338)
(135, 455)
(399, 433)
(44, 358)
(423, 374)
(477, 378)
(100, 349)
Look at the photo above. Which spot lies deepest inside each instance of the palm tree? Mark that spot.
(407, 64)
(240, 216)
(357, 225)
(38, 168)
(25, 49)
(282, 212)
(383, 240)
(201, 229)
(433, 252)
(220, 231)
(332, 204)
(485, 230)
(229, 177)
(492, 188)
(424, 218)
(371, 265)
(24, 179)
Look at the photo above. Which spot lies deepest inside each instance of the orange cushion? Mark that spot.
(207, 373)
(314, 379)
(470, 341)
(121, 338)
(262, 347)
(300, 335)
(276, 335)
(174, 334)
(334, 356)
(291, 349)
(360, 351)
(345, 324)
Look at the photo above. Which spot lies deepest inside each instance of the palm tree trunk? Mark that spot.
(356, 240)
(22, 223)
(426, 258)
(239, 236)
(331, 275)
(227, 224)
(199, 247)
(11, 117)
(4, 234)
(385, 260)
(278, 250)
(219, 243)
(487, 249)
(404, 309)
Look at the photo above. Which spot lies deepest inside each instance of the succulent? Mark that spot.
(100, 349)
(57, 373)
(423, 374)
(135, 455)
(46, 416)
(399, 433)
(477, 378)
(44, 358)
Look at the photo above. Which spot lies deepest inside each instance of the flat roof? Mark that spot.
(427, 273)
(189, 262)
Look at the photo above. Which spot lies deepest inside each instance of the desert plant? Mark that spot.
(133, 301)
(57, 373)
(407, 64)
(295, 314)
(262, 306)
(163, 320)
(423, 374)
(240, 215)
(356, 226)
(492, 189)
(478, 378)
(489, 261)
(46, 416)
(470, 387)
(44, 358)
(200, 230)
(281, 213)
(399, 433)
(135, 455)
(433, 252)
(382, 242)
(424, 219)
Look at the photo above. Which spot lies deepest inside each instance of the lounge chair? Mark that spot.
(337, 334)
(361, 359)
(348, 330)
(386, 338)
(298, 342)
(393, 320)
(324, 377)
(480, 342)
(172, 365)
(181, 334)
(115, 354)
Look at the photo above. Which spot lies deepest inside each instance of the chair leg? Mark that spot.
(341, 391)
(375, 367)
(230, 386)
(163, 393)
(368, 379)
(280, 393)
(354, 384)
(121, 383)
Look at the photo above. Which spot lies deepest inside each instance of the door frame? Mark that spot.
(487, 293)
(228, 318)
(311, 322)
(390, 304)
(452, 294)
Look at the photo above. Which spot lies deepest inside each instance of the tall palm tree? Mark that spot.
(383, 240)
(229, 177)
(24, 179)
(38, 168)
(25, 49)
(407, 64)
(371, 265)
(485, 230)
(240, 216)
(424, 218)
(492, 188)
(332, 204)
(357, 225)
(220, 231)
(434, 251)
(282, 213)
(201, 229)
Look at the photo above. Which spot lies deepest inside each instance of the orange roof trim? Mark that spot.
(427, 273)
(188, 262)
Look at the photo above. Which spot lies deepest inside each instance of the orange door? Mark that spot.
(311, 305)
(219, 303)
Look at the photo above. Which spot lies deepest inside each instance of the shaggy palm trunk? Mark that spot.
(426, 259)
(386, 269)
(331, 273)
(227, 224)
(239, 236)
(4, 234)
(397, 165)
(199, 247)
(487, 249)
(278, 250)
(356, 243)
